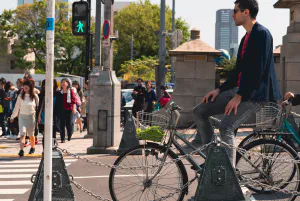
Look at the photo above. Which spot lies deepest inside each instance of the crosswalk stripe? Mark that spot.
(15, 176)
(17, 170)
(31, 161)
(6, 199)
(24, 166)
(13, 191)
(15, 183)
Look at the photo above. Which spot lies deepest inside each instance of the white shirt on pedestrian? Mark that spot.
(26, 106)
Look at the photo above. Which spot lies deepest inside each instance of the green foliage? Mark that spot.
(143, 67)
(28, 23)
(141, 20)
(228, 65)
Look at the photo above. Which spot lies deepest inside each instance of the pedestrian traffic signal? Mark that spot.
(80, 18)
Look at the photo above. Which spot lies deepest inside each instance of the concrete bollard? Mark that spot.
(129, 138)
(61, 187)
(218, 180)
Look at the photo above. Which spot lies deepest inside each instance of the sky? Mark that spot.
(201, 14)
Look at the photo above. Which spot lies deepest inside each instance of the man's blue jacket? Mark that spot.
(258, 80)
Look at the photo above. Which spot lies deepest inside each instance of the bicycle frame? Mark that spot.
(172, 140)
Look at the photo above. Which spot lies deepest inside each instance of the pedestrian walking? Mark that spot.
(41, 111)
(85, 113)
(25, 109)
(3, 96)
(77, 116)
(150, 97)
(12, 95)
(138, 95)
(65, 107)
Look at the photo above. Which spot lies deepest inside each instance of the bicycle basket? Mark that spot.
(151, 126)
(269, 116)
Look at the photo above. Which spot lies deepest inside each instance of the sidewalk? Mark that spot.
(9, 148)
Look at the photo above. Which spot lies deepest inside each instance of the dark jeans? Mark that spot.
(85, 126)
(55, 129)
(66, 121)
(229, 123)
(2, 123)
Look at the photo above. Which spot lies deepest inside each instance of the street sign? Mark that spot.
(177, 37)
(80, 17)
(106, 43)
(106, 29)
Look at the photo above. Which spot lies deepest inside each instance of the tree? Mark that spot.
(141, 20)
(28, 23)
(228, 65)
(143, 67)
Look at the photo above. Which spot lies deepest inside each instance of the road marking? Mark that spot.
(6, 199)
(13, 191)
(3, 147)
(15, 183)
(24, 166)
(17, 170)
(106, 176)
(32, 161)
(15, 176)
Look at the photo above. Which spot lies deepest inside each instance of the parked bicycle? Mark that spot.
(163, 174)
(275, 122)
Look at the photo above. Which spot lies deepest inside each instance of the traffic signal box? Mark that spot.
(80, 18)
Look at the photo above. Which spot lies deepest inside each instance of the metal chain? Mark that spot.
(243, 151)
(177, 191)
(294, 113)
(90, 193)
(277, 189)
(133, 167)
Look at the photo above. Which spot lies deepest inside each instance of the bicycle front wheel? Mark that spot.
(268, 162)
(134, 184)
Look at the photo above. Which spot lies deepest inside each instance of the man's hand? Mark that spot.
(288, 95)
(11, 120)
(213, 93)
(233, 104)
(134, 92)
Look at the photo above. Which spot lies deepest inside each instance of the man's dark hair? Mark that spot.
(139, 79)
(251, 5)
(2, 80)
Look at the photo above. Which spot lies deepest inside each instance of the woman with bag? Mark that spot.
(25, 109)
(79, 99)
(65, 107)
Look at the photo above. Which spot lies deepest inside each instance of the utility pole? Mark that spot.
(173, 43)
(87, 48)
(98, 34)
(49, 100)
(162, 48)
(131, 47)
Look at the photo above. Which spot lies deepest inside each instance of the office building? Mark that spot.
(226, 35)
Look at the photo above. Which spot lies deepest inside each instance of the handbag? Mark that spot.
(1, 109)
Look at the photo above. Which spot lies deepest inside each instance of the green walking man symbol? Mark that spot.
(80, 27)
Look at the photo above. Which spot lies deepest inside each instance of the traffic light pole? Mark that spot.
(88, 38)
(162, 49)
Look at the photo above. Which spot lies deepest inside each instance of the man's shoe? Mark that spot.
(32, 150)
(26, 144)
(17, 138)
(63, 141)
(21, 153)
(69, 138)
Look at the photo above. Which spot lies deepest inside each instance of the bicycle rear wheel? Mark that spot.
(131, 185)
(282, 173)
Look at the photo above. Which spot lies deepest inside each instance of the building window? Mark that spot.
(12, 64)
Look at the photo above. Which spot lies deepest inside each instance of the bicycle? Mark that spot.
(164, 172)
(280, 125)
